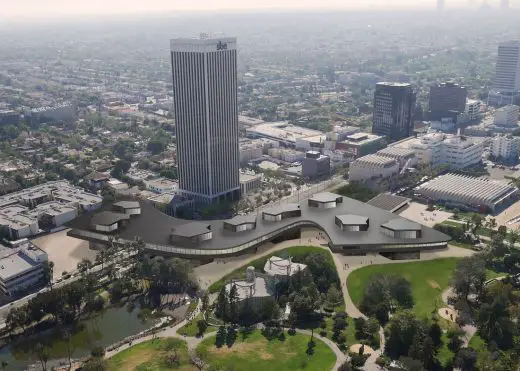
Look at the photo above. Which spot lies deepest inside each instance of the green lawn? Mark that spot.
(428, 280)
(152, 356)
(295, 252)
(191, 329)
(255, 352)
(445, 355)
(477, 343)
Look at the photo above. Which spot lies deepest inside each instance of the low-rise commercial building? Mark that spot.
(43, 207)
(161, 185)
(405, 157)
(9, 117)
(315, 165)
(361, 144)
(282, 132)
(372, 167)
(468, 192)
(286, 154)
(21, 267)
(435, 148)
(507, 116)
(250, 183)
(59, 112)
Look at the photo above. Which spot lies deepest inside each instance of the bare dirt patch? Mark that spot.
(433, 284)
(243, 349)
(448, 314)
(355, 349)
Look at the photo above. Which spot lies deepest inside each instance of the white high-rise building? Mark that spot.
(506, 148)
(206, 117)
(507, 76)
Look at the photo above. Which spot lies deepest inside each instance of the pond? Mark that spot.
(109, 326)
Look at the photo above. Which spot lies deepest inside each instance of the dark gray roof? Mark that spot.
(325, 197)
(127, 204)
(351, 219)
(402, 225)
(276, 210)
(191, 229)
(241, 219)
(108, 218)
(155, 227)
(388, 202)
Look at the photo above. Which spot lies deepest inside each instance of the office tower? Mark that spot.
(440, 5)
(206, 116)
(507, 76)
(394, 105)
(447, 100)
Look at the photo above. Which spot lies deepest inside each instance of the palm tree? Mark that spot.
(67, 336)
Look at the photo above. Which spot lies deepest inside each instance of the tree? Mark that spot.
(84, 266)
(221, 310)
(233, 304)
(494, 322)
(205, 302)
(270, 310)
(67, 336)
(466, 359)
(333, 296)
(469, 277)
(476, 221)
(156, 146)
(48, 271)
(43, 355)
(202, 326)
(435, 334)
(120, 168)
(97, 352)
(383, 293)
(513, 237)
(402, 333)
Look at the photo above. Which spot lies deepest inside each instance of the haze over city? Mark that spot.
(229, 185)
(56, 8)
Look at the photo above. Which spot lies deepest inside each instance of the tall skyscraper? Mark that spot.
(206, 117)
(440, 5)
(394, 105)
(507, 76)
(447, 100)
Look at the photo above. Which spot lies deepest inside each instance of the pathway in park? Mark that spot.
(216, 270)
(469, 330)
(347, 264)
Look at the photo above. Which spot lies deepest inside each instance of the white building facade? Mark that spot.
(206, 114)
(372, 167)
(505, 147)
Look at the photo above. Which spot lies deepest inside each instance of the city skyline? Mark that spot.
(59, 8)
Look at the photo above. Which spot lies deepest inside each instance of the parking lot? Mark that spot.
(66, 252)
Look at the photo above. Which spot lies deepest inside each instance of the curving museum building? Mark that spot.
(352, 227)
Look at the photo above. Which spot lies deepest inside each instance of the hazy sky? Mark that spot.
(40, 8)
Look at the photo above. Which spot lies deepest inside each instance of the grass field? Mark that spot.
(428, 279)
(191, 329)
(295, 252)
(477, 343)
(152, 356)
(255, 352)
